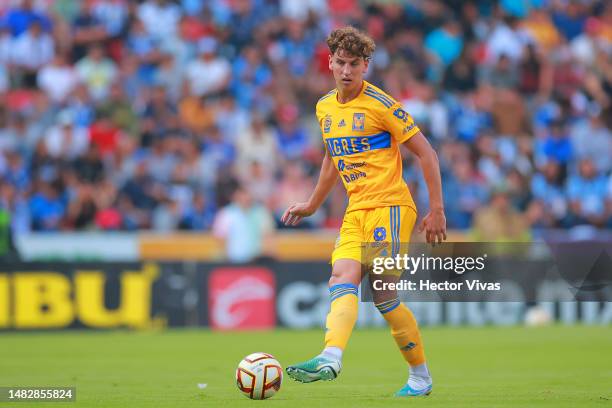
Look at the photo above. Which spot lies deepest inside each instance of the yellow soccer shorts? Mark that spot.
(374, 232)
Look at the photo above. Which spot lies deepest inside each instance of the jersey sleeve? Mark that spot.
(319, 113)
(399, 123)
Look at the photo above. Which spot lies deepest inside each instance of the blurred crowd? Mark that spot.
(125, 115)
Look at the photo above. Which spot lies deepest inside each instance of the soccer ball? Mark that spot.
(259, 376)
(537, 316)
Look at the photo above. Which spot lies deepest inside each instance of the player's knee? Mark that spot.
(345, 272)
(337, 278)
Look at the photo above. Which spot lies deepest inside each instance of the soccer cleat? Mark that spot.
(408, 391)
(315, 369)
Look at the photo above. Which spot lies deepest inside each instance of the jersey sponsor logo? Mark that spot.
(342, 123)
(327, 124)
(349, 178)
(352, 166)
(342, 165)
(358, 121)
(380, 233)
(401, 114)
(345, 146)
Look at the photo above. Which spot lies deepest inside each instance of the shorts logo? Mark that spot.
(358, 121)
(327, 124)
(341, 165)
(380, 233)
(342, 123)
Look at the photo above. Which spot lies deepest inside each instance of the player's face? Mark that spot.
(348, 69)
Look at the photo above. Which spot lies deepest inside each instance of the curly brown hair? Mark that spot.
(352, 41)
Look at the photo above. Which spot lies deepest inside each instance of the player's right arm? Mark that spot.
(327, 179)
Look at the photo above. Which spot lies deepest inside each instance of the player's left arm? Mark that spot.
(403, 129)
(434, 223)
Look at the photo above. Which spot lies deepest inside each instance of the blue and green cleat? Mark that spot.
(315, 369)
(408, 391)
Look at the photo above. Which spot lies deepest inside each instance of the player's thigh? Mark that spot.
(389, 231)
(391, 226)
(347, 255)
(350, 239)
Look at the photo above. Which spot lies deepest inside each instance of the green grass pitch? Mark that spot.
(556, 366)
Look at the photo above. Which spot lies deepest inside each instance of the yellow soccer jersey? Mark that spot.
(362, 137)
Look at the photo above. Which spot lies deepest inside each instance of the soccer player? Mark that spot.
(363, 129)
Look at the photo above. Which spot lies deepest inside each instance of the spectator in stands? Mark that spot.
(291, 138)
(65, 140)
(97, 72)
(199, 215)
(445, 43)
(468, 193)
(501, 75)
(586, 191)
(15, 171)
(257, 143)
(259, 180)
(540, 29)
(57, 79)
(244, 227)
(547, 187)
(251, 76)
(82, 208)
(591, 139)
(89, 167)
(145, 47)
(31, 50)
(557, 145)
(570, 20)
(159, 115)
(6, 42)
(19, 19)
(534, 73)
(460, 76)
(209, 73)
(47, 208)
(505, 40)
(88, 30)
(499, 221)
(160, 18)
(119, 110)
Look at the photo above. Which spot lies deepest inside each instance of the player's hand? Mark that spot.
(294, 214)
(434, 225)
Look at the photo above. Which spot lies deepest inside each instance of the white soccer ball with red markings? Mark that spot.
(259, 376)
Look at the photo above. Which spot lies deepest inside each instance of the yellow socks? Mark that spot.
(342, 315)
(404, 330)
